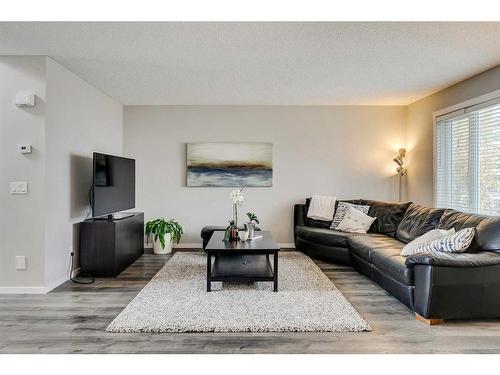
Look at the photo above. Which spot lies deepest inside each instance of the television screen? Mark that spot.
(113, 184)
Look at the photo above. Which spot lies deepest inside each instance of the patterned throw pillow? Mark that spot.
(432, 235)
(456, 243)
(341, 210)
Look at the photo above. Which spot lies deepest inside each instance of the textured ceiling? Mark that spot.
(329, 63)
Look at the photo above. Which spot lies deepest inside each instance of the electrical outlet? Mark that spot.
(20, 262)
(24, 148)
(19, 188)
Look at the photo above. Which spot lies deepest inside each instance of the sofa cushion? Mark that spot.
(388, 214)
(323, 236)
(363, 245)
(487, 235)
(383, 252)
(417, 221)
(391, 263)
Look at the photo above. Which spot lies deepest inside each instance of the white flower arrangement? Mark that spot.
(237, 197)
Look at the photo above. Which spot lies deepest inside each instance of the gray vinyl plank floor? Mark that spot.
(73, 319)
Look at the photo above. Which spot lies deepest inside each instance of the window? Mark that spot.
(467, 159)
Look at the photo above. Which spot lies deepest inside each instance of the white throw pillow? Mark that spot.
(430, 236)
(355, 221)
(342, 209)
(455, 243)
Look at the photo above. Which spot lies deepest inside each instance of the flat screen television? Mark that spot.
(113, 186)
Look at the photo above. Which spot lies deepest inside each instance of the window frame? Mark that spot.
(452, 111)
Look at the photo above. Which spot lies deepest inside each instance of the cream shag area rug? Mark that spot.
(175, 300)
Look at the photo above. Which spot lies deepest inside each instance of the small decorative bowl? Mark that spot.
(243, 235)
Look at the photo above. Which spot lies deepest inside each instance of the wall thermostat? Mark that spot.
(25, 100)
(24, 149)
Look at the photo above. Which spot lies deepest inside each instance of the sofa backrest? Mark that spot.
(388, 214)
(417, 221)
(487, 235)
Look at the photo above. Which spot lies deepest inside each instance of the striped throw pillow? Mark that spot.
(455, 243)
(341, 210)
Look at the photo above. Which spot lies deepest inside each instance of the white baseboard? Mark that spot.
(37, 289)
(56, 283)
(187, 245)
(182, 245)
(75, 272)
(33, 289)
(198, 245)
(23, 290)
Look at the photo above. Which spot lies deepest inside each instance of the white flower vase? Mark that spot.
(157, 249)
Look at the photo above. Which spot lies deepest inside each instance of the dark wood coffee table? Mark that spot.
(240, 261)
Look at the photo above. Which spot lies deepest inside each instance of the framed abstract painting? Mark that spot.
(230, 164)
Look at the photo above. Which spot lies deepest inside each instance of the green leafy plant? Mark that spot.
(159, 227)
(252, 217)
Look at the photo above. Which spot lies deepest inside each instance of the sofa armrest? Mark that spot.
(299, 215)
(441, 259)
(299, 218)
(457, 292)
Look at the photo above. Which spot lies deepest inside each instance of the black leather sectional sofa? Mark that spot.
(436, 286)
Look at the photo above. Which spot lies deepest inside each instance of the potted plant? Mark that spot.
(231, 232)
(252, 220)
(164, 232)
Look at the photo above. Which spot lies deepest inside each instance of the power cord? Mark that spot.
(84, 275)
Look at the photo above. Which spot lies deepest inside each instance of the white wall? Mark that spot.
(419, 124)
(70, 121)
(345, 151)
(80, 120)
(21, 216)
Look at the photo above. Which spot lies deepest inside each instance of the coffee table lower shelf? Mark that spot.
(242, 268)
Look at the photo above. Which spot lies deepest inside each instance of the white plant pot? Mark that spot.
(157, 249)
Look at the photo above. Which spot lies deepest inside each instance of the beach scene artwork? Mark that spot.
(230, 164)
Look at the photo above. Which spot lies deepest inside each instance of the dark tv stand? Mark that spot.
(107, 247)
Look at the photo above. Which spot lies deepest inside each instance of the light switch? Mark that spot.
(26, 100)
(20, 262)
(19, 187)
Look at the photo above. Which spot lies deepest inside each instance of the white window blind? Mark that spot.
(468, 159)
